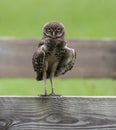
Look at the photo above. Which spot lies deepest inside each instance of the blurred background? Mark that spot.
(83, 19)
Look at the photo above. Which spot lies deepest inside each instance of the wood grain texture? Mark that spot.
(54, 113)
(95, 58)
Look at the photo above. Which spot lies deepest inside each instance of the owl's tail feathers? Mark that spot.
(39, 77)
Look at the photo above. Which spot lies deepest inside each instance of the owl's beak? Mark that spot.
(53, 34)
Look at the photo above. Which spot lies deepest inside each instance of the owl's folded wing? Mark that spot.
(38, 62)
(67, 61)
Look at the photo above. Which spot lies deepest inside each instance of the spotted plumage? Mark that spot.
(52, 56)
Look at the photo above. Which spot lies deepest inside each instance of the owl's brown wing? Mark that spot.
(38, 62)
(67, 61)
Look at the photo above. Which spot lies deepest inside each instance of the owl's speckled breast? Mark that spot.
(54, 54)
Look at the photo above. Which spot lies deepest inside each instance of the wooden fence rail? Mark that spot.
(54, 113)
(95, 58)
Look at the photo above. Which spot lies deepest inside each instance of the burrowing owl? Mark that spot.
(52, 56)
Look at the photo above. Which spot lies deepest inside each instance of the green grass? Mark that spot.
(86, 87)
(82, 18)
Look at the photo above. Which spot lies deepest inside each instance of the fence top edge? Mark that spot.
(71, 97)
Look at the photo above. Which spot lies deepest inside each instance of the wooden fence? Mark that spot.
(54, 113)
(95, 58)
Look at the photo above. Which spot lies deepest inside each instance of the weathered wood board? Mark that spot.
(54, 113)
(95, 58)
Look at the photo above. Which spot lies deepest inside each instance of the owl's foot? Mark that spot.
(42, 95)
(53, 94)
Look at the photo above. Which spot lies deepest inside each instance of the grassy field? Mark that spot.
(82, 18)
(90, 87)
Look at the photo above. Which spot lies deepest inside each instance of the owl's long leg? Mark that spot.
(44, 79)
(53, 69)
(52, 84)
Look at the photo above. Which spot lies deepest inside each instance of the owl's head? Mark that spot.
(53, 30)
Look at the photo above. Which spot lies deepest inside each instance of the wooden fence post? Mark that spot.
(95, 58)
(54, 113)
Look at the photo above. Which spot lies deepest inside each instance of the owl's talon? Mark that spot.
(53, 94)
(43, 95)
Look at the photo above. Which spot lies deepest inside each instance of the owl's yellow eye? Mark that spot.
(59, 29)
(48, 30)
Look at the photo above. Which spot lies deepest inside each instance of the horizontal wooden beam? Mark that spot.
(57, 112)
(95, 58)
